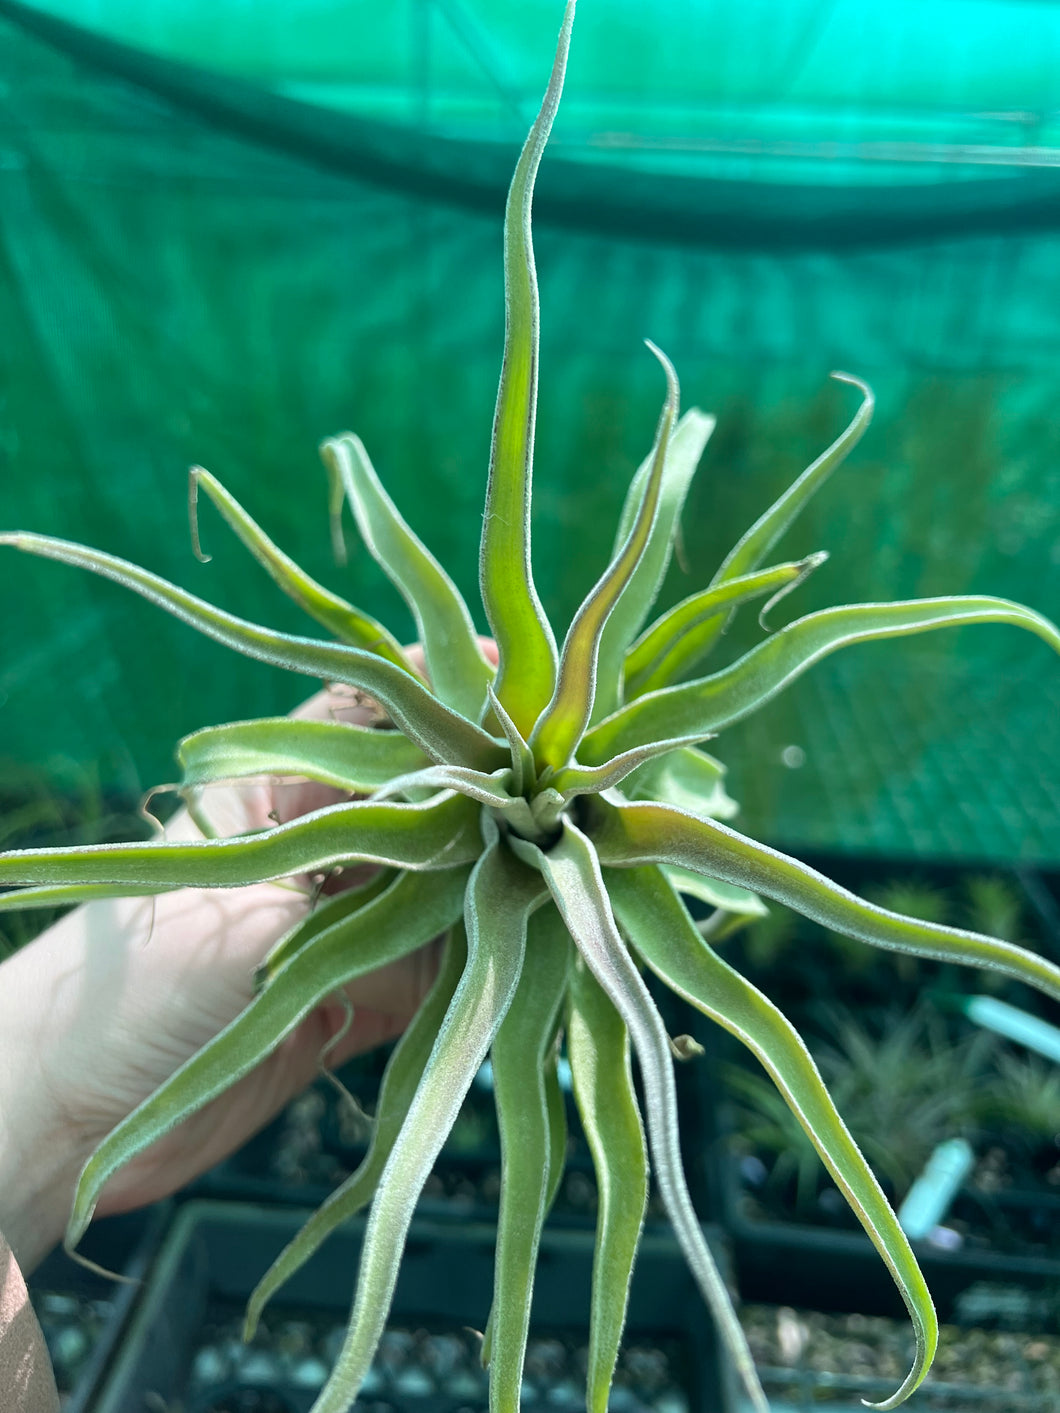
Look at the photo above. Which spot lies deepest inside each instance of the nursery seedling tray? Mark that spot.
(817, 1267)
(181, 1345)
(807, 1360)
(82, 1312)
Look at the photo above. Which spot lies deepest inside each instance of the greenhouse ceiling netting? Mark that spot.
(228, 230)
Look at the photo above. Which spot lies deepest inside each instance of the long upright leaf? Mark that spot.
(500, 897)
(439, 834)
(458, 671)
(710, 703)
(677, 641)
(598, 1050)
(626, 834)
(347, 623)
(560, 727)
(442, 733)
(413, 910)
(519, 1055)
(341, 754)
(753, 547)
(683, 454)
(402, 1076)
(666, 938)
(572, 871)
(525, 643)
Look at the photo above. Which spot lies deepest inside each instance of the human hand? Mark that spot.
(99, 1010)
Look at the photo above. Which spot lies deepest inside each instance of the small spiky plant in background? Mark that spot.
(547, 816)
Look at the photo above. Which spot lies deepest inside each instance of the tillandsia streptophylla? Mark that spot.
(547, 816)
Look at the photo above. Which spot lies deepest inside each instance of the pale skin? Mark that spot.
(107, 1003)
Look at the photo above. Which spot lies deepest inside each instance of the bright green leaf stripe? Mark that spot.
(501, 895)
(650, 833)
(666, 938)
(334, 753)
(712, 702)
(458, 671)
(598, 1050)
(572, 871)
(65, 895)
(442, 733)
(402, 1075)
(683, 454)
(327, 914)
(518, 1055)
(752, 548)
(437, 835)
(672, 646)
(414, 909)
(565, 718)
(749, 551)
(333, 613)
(525, 643)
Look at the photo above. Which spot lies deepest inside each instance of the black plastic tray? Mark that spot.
(86, 1309)
(216, 1252)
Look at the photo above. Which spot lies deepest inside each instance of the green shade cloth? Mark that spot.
(224, 265)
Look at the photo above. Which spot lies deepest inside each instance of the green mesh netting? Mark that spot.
(224, 265)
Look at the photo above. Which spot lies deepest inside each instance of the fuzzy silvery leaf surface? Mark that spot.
(549, 817)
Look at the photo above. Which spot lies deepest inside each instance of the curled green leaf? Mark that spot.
(598, 1050)
(347, 623)
(519, 1055)
(627, 834)
(563, 721)
(525, 642)
(325, 915)
(415, 908)
(403, 1073)
(442, 733)
(500, 897)
(683, 453)
(753, 547)
(440, 834)
(458, 671)
(65, 895)
(667, 940)
(681, 638)
(709, 703)
(572, 870)
(344, 755)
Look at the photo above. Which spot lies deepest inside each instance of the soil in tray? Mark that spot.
(419, 1368)
(808, 1360)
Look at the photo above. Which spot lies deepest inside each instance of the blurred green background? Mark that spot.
(227, 231)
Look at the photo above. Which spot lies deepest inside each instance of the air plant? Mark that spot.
(547, 816)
